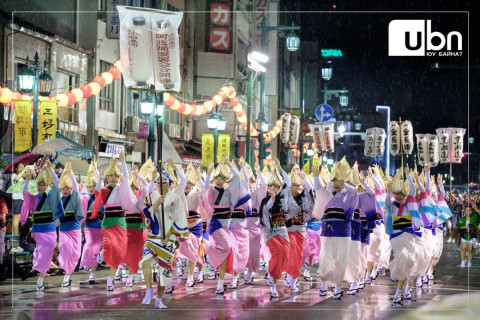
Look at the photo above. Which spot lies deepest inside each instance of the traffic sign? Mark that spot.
(324, 112)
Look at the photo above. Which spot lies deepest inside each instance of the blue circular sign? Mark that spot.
(324, 112)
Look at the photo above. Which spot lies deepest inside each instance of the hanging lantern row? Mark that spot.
(225, 92)
(71, 97)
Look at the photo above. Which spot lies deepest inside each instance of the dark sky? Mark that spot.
(430, 98)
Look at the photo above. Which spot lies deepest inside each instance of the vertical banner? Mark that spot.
(223, 146)
(149, 47)
(221, 25)
(261, 12)
(47, 122)
(23, 125)
(207, 149)
(113, 21)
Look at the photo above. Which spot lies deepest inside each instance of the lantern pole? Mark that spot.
(159, 151)
(35, 101)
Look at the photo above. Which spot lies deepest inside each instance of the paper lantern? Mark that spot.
(285, 132)
(380, 142)
(238, 108)
(188, 109)
(277, 129)
(222, 94)
(1, 91)
(239, 113)
(369, 148)
(71, 99)
(234, 102)
(78, 94)
(193, 110)
(407, 137)
(15, 96)
(168, 99)
(100, 80)
(199, 110)
(62, 100)
(6, 95)
(175, 105)
(218, 99)
(118, 65)
(86, 90)
(209, 104)
(108, 77)
(328, 137)
(115, 72)
(294, 130)
(394, 137)
(95, 88)
(182, 108)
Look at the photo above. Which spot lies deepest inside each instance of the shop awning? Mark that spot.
(75, 151)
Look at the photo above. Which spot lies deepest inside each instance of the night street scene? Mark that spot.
(239, 159)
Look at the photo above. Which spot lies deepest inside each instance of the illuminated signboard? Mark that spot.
(332, 53)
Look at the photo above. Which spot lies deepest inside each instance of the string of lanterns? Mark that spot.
(104, 79)
(71, 97)
(194, 109)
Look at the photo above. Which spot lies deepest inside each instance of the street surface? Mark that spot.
(447, 297)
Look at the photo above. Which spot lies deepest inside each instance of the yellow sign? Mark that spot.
(23, 125)
(208, 148)
(306, 167)
(47, 123)
(223, 146)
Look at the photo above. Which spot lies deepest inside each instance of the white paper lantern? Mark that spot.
(422, 149)
(394, 136)
(407, 137)
(457, 145)
(294, 130)
(369, 149)
(433, 157)
(380, 137)
(285, 132)
(443, 144)
(140, 49)
(166, 58)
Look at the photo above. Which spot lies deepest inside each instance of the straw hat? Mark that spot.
(146, 169)
(91, 177)
(65, 180)
(275, 180)
(355, 175)
(113, 169)
(341, 170)
(224, 171)
(45, 176)
(399, 185)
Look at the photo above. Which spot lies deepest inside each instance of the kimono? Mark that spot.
(274, 215)
(296, 227)
(377, 227)
(92, 230)
(221, 201)
(70, 235)
(115, 200)
(190, 249)
(136, 236)
(175, 222)
(254, 230)
(336, 233)
(400, 221)
(43, 209)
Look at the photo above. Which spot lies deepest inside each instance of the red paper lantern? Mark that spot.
(176, 105)
(115, 72)
(87, 90)
(209, 104)
(193, 111)
(222, 94)
(234, 102)
(100, 80)
(108, 77)
(71, 98)
(170, 100)
(182, 108)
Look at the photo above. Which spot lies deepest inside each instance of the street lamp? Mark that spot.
(358, 126)
(344, 100)
(265, 126)
(327, 71)
(146, 108)
(341, 127)
(292, 43)
(38, 81)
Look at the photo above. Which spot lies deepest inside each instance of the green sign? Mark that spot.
(329, 53)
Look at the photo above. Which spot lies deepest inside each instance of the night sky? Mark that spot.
(430, 98)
